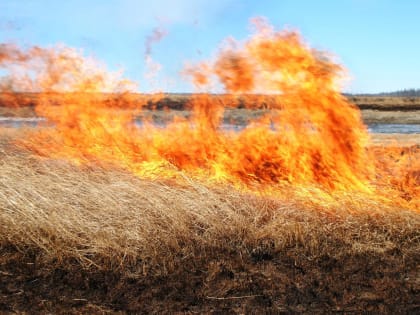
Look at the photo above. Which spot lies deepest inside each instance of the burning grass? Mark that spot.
(91, 239)
(313, 135)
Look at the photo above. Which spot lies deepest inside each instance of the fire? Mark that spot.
(311, 136)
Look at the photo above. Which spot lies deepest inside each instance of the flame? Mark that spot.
(310, 136)
(398, 173)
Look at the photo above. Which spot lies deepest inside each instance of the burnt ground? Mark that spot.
(221, 282)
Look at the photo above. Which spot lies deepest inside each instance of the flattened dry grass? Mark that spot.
(229, 250)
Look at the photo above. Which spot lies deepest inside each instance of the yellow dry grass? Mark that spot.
(97, 216)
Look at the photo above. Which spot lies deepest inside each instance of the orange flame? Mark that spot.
(311, 136)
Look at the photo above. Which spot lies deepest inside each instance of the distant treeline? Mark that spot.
(403, 93)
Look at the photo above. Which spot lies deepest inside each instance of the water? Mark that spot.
(9, 122)
(20, 122)
(394, 128)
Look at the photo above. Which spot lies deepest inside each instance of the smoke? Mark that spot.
(156, 36)
(56, 69)
(153, 67)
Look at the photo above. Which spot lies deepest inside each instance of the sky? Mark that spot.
(377, 41)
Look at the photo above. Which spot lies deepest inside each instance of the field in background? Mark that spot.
(403, 103)
(93, 240)
(388, 110)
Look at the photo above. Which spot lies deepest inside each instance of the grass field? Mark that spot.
(386, 102)
(95, 240)
(392, 110)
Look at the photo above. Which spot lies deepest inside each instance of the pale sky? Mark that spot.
(376, 40)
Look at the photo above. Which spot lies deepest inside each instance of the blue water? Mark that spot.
(374, 128)
(6, 122)
(394, 128)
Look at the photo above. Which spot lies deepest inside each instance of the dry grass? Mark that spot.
(92, 213)
(387, 102)
(390, 117)
(24, 111)
(99, 240)
(396, 140)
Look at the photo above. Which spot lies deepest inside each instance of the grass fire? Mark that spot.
(104, 209)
